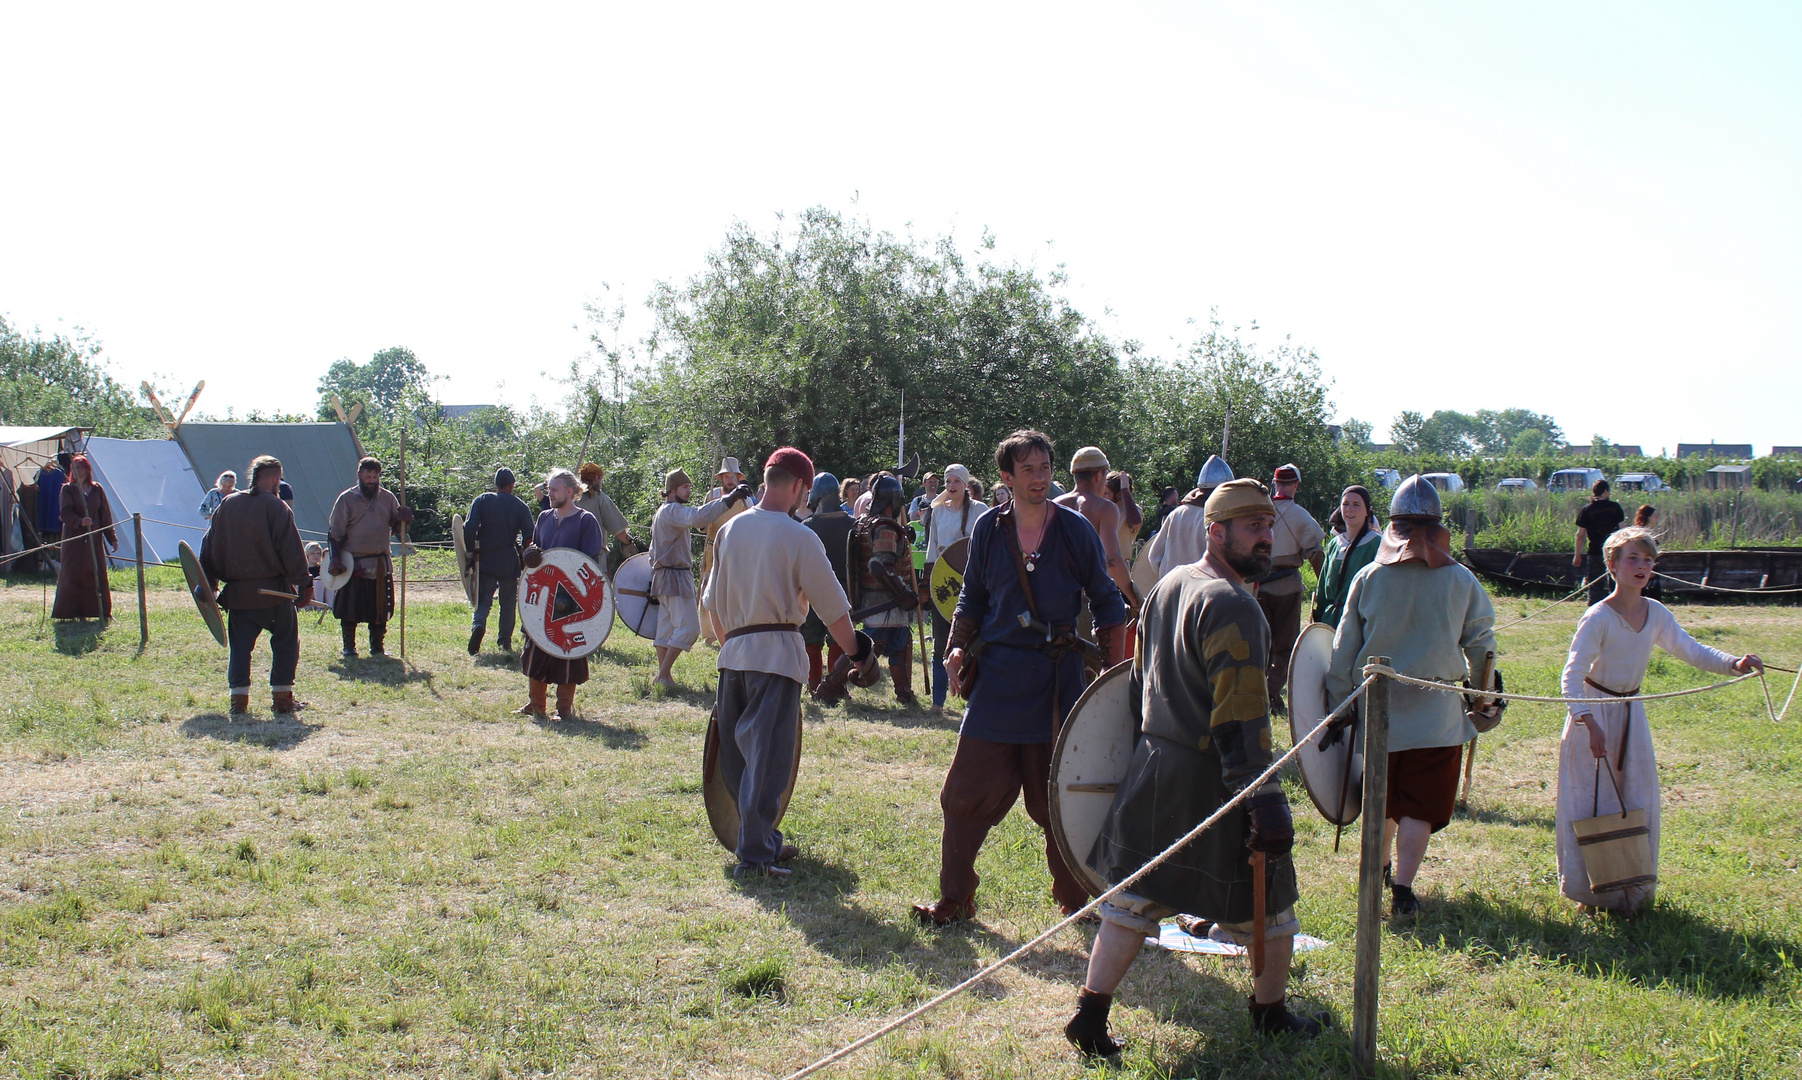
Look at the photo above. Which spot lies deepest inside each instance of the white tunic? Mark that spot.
(1182, 539)
(1610, 652)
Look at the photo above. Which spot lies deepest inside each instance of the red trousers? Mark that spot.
(985, 779)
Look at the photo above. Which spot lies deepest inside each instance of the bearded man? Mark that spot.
(253, 546)
(672, 562)
(1031, 564)
(363, 519)
(564, 525)
(1199, 682)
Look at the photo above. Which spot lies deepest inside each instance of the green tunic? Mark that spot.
(1204, 717)
(1341, 566)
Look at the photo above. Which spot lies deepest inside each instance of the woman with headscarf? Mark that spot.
(82, 591)
(948, 520)
(1356, 536)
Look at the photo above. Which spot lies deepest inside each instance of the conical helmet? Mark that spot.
(1213, 473)
(824, 484)
(1415, 498)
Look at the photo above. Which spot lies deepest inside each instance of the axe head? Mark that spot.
(908, 470)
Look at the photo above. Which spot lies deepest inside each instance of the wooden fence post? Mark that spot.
(137, 535)
(403, 545)
(1367, 965)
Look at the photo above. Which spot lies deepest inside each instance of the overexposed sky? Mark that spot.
(1587, 210)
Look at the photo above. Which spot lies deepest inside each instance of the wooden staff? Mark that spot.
(137, 535)
(402, 477)
(1367, 960)
(1470, 758)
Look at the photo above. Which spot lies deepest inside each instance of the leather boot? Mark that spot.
(534, 705)
(282, 703)
(1087, 1030)
(240, 705)
(816, 667)
(902, 672)
(475, 639)
(566, 703)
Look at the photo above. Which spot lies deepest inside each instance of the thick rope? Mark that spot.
(1451, 688)
(1572, 595)
(1725, 589)
(1230, 804)
(58, 545)
(1783, 712)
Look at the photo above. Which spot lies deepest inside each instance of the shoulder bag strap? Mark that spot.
(1011, 536)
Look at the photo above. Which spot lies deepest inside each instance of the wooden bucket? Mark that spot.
(1617, 851)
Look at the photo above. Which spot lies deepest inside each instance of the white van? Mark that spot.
(1574, 480)
(1449, 482)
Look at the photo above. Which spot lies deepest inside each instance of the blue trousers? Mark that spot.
(509, 587)
(760, 728)
(242, 628)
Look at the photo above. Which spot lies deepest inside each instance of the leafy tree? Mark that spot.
(1502, 430)
(1600, 447)
(393, 380)
(812, 336)
(64, 380)
(1175, 413)
(1356, 432)
(1405, 431)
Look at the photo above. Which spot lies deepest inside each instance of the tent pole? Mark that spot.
(137, 534)
(403, 545)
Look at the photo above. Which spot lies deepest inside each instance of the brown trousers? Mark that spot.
(984, 780)
(1284, 615)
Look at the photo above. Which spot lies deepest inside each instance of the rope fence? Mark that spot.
(1069, 920)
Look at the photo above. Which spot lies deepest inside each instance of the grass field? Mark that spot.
(408, 880)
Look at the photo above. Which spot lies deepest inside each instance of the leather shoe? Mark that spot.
(942, 912)
(789, 853)
(761, 870)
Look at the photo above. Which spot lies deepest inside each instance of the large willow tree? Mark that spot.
(812, 335)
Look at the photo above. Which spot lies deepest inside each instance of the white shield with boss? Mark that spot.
(566, 604)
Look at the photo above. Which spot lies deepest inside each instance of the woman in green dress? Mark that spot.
(1356, 535)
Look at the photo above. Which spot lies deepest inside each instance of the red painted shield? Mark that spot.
(566, 604)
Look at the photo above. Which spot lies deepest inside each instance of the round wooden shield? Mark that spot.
(1088, 764)
(1334, 775)
(948, 576)
(202, 592)
(566, 604)
(721, 801)
(638, 609)
(466, 569)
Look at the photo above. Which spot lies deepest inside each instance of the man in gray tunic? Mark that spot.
(1205, 722)
(673, 568)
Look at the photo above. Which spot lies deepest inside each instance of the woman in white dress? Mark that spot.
(1608, 658)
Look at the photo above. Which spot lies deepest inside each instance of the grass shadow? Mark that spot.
(385, 670)
(274, 732)
(509, 660)
(614, 737)
(1667, 947)
(78, 637)
(896, 715)
(1496, 815)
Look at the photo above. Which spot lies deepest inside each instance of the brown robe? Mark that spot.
(79, 591)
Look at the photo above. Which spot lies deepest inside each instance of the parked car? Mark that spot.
(1574, 479)
(1516, 484)
(1389, 479)
(1449, 482)
(1640, 481)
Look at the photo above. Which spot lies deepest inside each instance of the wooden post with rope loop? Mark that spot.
(137, 536)
(1367, 962)
(402, 478)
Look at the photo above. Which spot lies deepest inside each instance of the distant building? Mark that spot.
(1729, 476)
(1724, 450)
(1786, 451)
(458, 412)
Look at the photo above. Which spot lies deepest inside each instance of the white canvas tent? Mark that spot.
(151, 477)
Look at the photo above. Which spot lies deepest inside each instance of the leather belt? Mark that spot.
(763, 628)
(1606, 690)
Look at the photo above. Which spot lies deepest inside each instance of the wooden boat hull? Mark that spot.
(1776, 572)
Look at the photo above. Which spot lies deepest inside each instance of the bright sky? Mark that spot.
(1589, 210)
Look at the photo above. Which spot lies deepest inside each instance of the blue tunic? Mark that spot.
(496, 524)
(1016, 681)
(579, 530)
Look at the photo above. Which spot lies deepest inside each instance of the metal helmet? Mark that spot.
(823, 484)
(887, 498)
(1416, 498)
(1213, 473)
